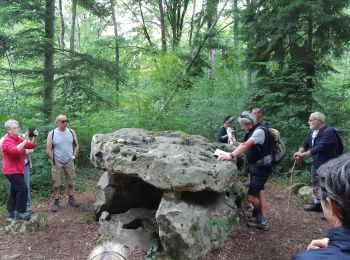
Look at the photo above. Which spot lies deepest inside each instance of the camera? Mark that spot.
(31, 131)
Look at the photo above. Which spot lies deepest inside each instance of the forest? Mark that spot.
(171, 65)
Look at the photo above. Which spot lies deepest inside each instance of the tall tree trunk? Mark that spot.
(162, 25)
(145, 31)
(192, 23)
(211, 18)
(62, 45)
(49, 58)
(235, 27)
(72, 32)
(250, 4)
(310, 68)
(79, 34)
(117, 65)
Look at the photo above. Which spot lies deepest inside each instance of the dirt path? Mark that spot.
(290, 231)
(72, 233)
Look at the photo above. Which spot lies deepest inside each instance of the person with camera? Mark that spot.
(322, 144)
(13, 150)
(62, 147)
(333, 190)
(255, 146)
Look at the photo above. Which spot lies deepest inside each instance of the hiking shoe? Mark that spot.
(73, 203)
(23, 216)
(10, 214)
(55, 206)
(252, 222)
(263, 224)
(314, 207)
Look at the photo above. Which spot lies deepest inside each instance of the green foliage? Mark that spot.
(153, 251)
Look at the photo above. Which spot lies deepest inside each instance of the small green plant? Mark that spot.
(87, 217)
(153, 251)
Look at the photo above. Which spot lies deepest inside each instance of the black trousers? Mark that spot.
(17, 200)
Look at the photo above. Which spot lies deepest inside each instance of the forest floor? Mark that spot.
(71, 233)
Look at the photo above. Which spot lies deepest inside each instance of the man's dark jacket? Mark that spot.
(338, 249)
(326, 146)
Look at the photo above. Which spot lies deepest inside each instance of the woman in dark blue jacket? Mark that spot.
(334, 192)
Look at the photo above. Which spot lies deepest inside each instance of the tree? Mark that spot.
(288, 45)
(49, 58)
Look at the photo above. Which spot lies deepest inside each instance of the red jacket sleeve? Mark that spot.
(9, 147)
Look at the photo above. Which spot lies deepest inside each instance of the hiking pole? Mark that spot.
(291, 183)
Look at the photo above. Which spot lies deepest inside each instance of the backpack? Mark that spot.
(340, 146)
(278, 149)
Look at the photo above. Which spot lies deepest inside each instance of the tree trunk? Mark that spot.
(49, 58)
(117, 65)
(145, 31)
(62, 45)
(235, 27)
(249, 66)
(72, 32)
(79, 34)
(211, 18)
(192, 23)
(162, 25)
(310, 68)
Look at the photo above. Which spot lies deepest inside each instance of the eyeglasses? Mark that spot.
(310, 120)
(63, 121)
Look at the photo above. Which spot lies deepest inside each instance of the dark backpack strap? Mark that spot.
(340, 146)
(269, 142)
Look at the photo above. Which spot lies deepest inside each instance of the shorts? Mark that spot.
(69, 172)
(258, 178)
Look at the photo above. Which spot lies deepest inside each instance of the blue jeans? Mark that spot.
(26, 180)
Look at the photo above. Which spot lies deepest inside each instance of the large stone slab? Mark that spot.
(190, 225)
(165, 160)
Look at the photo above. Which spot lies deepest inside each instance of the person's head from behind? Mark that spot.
(12, 127)
(228, 121)
(317, 120)
(334, 191)
(62, 121)
(257, 113)
(107, 251)
(247, 121)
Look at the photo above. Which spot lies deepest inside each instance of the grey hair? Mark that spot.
(107, 251)
(247, 118)
(334, 180)
(9, 123)
(320, 116)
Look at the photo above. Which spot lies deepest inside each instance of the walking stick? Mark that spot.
(291, 183)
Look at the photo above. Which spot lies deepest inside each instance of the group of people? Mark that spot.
(62, 147)
(330, 177)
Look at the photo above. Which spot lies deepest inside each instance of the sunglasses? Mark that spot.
(63, 121)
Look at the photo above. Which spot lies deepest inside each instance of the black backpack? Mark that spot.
(340, 146)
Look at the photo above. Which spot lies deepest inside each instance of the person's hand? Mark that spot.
(297, 156)
(224, 158)
(26, 135)
(318, 243)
